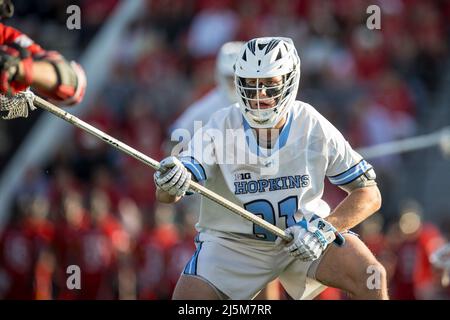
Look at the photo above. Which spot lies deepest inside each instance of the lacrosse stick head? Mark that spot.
(17, 105)
(441, 259)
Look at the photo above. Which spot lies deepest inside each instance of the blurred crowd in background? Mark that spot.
(94, 207)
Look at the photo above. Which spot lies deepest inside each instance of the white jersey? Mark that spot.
(201, 110)
(281, 185)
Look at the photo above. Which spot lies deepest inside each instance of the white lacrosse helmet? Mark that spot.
(226, 59)
(266, 58)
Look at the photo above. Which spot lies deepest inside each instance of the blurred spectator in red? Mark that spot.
(150, 266)
(131, 220)
(43, 235)
(371, 232)
(25, 252)
(103, 180)
(214, 25)
(414, 277)
(17, 262)
(179, 254)
(103, 245)
(369, 52)
(94, 13)
(393, 94)
(155, 239)
(71, 226)
(137, 184)
(250, 19)
(62, 183)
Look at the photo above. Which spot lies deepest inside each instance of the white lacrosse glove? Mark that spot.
(173, 177)
(310, 239)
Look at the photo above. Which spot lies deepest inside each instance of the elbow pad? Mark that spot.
(367, 179)
(71, 79)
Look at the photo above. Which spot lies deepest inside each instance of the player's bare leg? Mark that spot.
(270, 292)
(194, 288)
(349, 268)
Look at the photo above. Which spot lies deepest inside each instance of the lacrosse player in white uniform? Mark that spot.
(198, 114)
(270, 154)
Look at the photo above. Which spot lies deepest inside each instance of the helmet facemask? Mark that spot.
(265, 111)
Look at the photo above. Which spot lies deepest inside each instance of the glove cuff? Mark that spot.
(322, 230)
(320, 236)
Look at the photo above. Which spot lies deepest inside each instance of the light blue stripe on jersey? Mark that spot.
(284, 135)
(194, 167)
(281, 141)
(191, 267)
(351, 174)
(249, 137)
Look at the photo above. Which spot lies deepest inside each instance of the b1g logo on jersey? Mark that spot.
(242, 176)
(273, 184)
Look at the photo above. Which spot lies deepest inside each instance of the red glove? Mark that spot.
(11, 56)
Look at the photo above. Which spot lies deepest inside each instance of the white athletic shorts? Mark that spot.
(240, 267)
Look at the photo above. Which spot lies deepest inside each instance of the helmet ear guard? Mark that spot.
(263, 58)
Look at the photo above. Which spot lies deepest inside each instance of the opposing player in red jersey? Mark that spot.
(23, 64)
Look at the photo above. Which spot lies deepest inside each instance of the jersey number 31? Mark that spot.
(263, 208)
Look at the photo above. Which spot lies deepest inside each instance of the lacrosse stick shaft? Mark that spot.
(39, 102)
